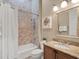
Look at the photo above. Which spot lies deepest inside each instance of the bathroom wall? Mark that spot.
(47, 11)
(46, 8)
(49, 34)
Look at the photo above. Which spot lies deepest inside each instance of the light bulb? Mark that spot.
(64, 4)
(75, 1)
(55, 8)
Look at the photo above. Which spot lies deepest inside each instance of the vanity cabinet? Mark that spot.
(60, 55)
(50, 53)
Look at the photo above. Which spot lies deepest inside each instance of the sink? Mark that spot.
(61, 45)
(66, 46)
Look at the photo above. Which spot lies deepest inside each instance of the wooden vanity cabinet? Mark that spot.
(50, 53)
(60, 55)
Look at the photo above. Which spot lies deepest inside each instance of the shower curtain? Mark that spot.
(28, 28)
(24, 27)
(9, 31)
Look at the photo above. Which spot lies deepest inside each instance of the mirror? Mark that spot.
(68, 22)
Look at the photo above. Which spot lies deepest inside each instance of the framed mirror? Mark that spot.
(68, 22)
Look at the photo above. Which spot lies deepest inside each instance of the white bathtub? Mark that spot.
(25, 50)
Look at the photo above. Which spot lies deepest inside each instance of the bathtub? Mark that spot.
(25, 51)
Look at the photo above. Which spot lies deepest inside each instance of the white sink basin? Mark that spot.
(63, 46)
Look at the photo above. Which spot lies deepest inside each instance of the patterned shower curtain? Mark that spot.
(28, 28)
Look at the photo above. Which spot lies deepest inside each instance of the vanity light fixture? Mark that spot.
(55, 8)
(64, 4)
(74, 1)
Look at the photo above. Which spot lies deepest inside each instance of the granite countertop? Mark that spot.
(71, 49)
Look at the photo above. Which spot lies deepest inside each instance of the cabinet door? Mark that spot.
(49, 53)
(61, 55)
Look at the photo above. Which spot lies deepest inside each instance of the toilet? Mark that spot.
(37, 54)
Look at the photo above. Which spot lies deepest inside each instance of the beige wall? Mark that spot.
(50, 33)
(46, 8)
(47, 11)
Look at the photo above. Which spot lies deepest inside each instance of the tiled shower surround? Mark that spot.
(27, 27)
